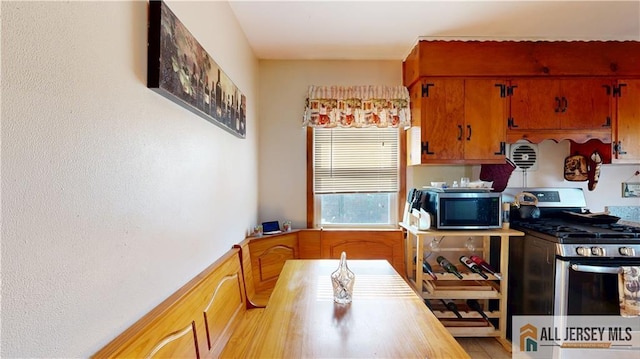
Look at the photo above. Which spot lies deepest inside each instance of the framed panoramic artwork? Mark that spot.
(180, 69)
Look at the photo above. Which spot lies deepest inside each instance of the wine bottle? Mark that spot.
(426, 268)
(444, 263)
(428, 303)
(451, 306)
(485, 266)
(472, 266)
(473, 304)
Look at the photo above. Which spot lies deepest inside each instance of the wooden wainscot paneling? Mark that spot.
(365, 244)
(309, 244)
(268, 255)
(196, 321)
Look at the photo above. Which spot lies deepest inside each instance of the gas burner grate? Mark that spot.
(568, 230)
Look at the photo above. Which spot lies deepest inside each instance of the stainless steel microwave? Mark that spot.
(462, 209)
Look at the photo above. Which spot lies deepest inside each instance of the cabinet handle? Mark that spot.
(511, 123)
(502, 149)
(617, 90)
(558, 104)
(503, 89)
(608, 89)
(607, 123)
(469, 137)
(565, 103)
(425, 148)
(510, 90)
(459, 132)
(425, 89)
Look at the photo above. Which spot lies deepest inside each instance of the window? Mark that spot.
(356, 176)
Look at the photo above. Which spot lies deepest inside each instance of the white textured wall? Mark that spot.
(112, 196)
(283, 90)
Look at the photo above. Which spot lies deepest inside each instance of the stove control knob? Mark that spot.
(627, 251)
(597, 251)
(583, 251)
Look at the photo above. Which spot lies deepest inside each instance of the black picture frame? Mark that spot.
(181, 70)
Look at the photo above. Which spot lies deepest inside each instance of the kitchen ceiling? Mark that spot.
(387, 30)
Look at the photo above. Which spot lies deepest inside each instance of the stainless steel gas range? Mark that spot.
(567, 263)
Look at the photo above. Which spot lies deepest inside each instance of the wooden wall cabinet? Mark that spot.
(457, 120)
(551, 59)
(558, 90)
(578, 108)
(626, 125)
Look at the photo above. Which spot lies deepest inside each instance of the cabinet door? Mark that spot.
(535, 104)
(586, 104)
(626, 129)
(442, 119)
(485, 109)
(537, 277)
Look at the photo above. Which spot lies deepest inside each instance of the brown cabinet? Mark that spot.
(557, 90)
(577, 108)
(543, 59)
(457, 120)
(626, 125)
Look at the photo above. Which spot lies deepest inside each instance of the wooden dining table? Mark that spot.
(386, 318)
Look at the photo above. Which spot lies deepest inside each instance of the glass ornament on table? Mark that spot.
(342, 280)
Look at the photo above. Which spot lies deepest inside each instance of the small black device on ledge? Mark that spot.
(271, 227)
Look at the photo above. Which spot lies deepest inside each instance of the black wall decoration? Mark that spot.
(181, 70)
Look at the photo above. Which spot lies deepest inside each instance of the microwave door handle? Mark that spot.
(595, 269)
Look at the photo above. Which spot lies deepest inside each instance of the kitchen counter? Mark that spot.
(462, 232)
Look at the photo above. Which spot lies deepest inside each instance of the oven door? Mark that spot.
(588, 286)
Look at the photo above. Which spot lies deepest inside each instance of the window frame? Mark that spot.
(402, 178)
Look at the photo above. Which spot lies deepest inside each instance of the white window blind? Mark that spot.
(356, 160)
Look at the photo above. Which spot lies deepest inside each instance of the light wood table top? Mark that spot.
(386, 319)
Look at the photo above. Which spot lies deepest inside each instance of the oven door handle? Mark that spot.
(595, 269)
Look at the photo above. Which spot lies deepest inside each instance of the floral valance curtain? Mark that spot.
(357, 106)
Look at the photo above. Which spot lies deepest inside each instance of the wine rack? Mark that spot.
(471, 286)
